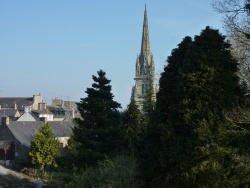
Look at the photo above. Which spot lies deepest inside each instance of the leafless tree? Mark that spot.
(237, 24)
(236, 15)
(241, 51)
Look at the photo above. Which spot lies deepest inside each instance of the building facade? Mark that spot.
(145, 69)
(16, 137)
(34, 109)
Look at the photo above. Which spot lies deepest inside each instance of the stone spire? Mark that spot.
(145, 69)
(145, 44)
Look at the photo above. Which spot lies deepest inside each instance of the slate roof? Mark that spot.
(8, 102)
(8, 112)
(41, 111)
(55, 108)
(24, 132)
(28, 116)
(58, 111)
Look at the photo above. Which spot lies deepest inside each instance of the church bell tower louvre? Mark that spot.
(145, 69)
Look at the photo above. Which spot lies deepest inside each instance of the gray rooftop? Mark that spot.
(8, 112)
(8, 102)
(41, 111)
(24, 132)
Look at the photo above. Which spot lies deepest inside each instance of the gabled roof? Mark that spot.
(8, 102)
(27, 116)
(24, 132)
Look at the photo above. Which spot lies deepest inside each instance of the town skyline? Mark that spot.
(54, 48)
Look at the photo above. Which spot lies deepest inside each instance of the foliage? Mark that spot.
(148, 155)
(118, 172)
(239, 139)
(44, 148)
(150, 164)
(196, 87)
(134, 123)
(149, 103)
(99, 132)
(58, 177)
(168, 95)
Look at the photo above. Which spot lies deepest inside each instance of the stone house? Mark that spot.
(15, 107)
(19, 103)
(22, 108)
(16, 137)
(64, 110)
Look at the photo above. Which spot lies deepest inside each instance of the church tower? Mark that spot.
(145, 69)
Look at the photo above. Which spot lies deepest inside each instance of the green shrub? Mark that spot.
(118, 172)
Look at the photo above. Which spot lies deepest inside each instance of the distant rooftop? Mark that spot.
(20, 102)
(25, 131)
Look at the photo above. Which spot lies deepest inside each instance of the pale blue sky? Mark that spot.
(53, 47)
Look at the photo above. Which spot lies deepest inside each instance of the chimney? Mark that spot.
(57, 102)
(5, 120)
(15, 106)
(27, 109)
(36, 99)
(41, 106)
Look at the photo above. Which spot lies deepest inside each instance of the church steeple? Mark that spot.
(145, 44)
(145, 69)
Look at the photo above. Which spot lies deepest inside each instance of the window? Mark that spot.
(61, 145)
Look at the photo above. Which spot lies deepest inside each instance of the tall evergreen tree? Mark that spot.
(168, 94)
(98, 133)
(197, 86)
(152, 170)
(134, 123)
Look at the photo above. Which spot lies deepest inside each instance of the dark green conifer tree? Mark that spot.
(168, 94)
(99, 132)
(150, 158)
(197, 87)
(134, 123)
